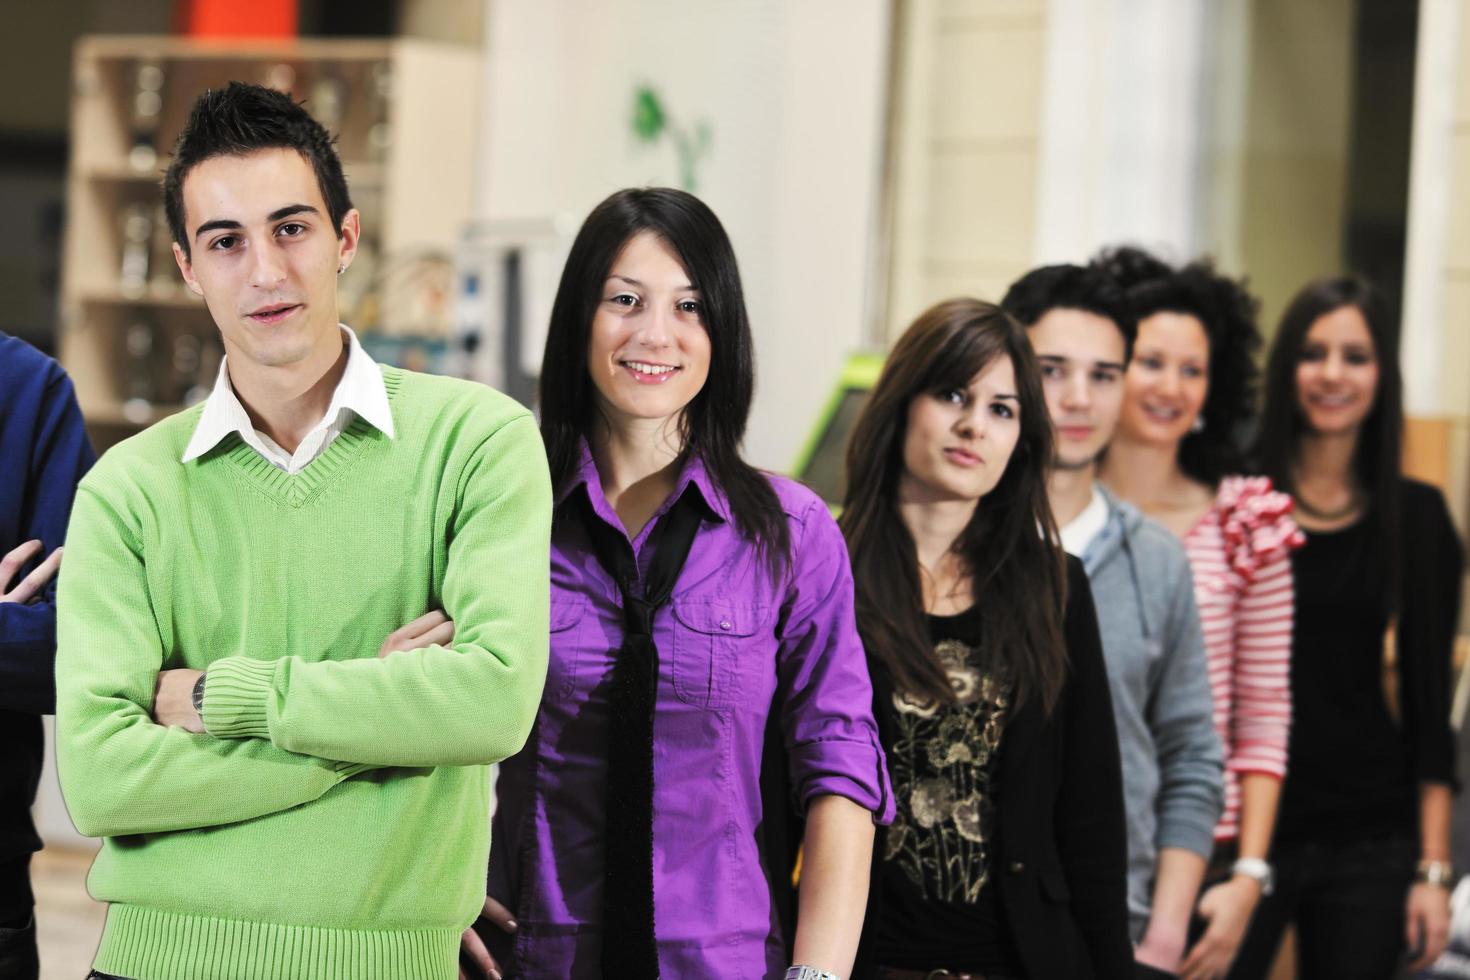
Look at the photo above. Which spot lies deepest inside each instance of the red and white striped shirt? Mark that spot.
(1239, 552)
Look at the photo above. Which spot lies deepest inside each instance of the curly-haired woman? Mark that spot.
(1189, 389)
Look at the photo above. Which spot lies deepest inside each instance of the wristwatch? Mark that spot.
(1438, 873)
(800, 972)
(198, 696)
(1258, 869)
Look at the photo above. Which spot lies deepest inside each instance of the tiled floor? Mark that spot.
(68, 922)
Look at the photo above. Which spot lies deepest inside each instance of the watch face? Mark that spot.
(1263, 873)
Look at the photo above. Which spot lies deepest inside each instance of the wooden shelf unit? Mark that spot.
(414, 191)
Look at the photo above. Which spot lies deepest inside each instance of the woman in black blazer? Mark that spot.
(1008, 857)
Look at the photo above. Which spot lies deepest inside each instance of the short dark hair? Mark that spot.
(713, 423)
(1070, 287)
(1227, 311)
(240, 119)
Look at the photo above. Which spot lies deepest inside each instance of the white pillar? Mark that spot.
(1125, 113)
(1431, 183)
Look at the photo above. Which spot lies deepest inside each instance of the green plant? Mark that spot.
(651, 123)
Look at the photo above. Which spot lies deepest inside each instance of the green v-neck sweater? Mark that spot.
(333, 822)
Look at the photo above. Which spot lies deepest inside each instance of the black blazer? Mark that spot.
(1060, 845)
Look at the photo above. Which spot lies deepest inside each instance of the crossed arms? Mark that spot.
(282, 733)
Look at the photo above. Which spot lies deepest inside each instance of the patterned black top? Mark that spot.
(937, 857)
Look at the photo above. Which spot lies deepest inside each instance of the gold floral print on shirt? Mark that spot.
(942, 763)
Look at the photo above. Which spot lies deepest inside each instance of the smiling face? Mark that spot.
(264, 255)
(649, 353)
(957, 442)
(1168, 379)
(1082, 357)
(1337, 372)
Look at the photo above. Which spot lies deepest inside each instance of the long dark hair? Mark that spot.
(712, 425)
(1227, 311)
(1018, 574)
(1380, 440)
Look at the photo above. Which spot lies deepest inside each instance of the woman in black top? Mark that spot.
(1007, 858)
(1362, 843)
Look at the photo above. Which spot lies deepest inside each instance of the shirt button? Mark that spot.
(724, 624)
(1017, 867)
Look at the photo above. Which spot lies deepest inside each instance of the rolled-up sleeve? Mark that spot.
(827, 695)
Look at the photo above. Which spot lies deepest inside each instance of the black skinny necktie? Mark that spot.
(628, 945)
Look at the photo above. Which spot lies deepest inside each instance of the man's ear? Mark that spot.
(186, 269)
(347, 238)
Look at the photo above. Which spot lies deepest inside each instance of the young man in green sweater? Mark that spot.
(282, 792)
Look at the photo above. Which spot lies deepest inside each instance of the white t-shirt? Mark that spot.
(1078, 533)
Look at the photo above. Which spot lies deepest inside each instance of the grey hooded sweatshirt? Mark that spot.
(1155, 656)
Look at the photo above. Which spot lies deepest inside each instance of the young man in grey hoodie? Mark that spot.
(1152, 644)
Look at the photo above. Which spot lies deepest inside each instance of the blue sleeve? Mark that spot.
(1181, 716)
(55, 458)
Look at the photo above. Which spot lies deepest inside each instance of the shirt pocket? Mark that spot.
(567, 609)
(715, 644)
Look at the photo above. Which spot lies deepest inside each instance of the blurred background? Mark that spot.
(868, 158)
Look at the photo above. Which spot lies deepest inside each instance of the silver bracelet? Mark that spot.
(800, 972)
(1441, 874)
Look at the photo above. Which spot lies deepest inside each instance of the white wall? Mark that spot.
(794, 93)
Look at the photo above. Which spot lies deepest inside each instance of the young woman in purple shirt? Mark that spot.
(1007, 856)
(692, 599)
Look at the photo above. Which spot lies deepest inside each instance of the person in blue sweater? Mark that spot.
(43, 453)
(1152, 643)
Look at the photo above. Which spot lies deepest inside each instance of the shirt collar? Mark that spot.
(693, 474)
(361, 390)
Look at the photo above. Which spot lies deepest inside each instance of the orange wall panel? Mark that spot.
(231, 18)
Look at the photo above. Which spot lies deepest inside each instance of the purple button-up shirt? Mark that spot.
(725, 640)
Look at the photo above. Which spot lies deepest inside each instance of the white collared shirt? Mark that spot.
(1078, 533)
(360, 393)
